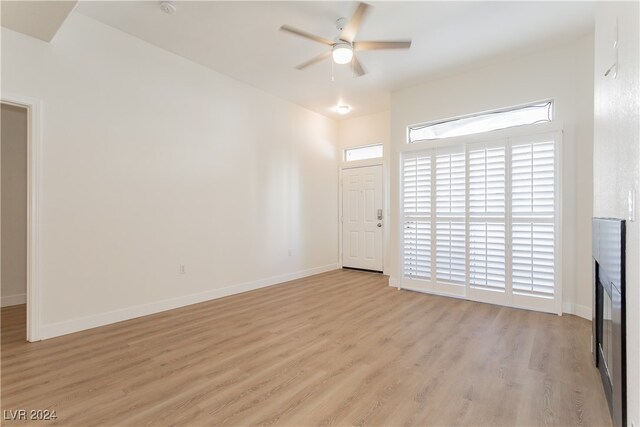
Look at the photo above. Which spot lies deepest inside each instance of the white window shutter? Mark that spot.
(450, 184)
(533, 210)
(416, 181)
(416, 206)
(450, 217)
(487, 186)
(532, 179)
(417, 249)
(487, 255)
(450, 251)
(484, 216)
(533, 259)
(487, 181)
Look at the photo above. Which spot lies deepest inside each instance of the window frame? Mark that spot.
(535, 131)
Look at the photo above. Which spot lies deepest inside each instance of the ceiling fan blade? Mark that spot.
(381, 45)
(306, 35)
(314, 60)
(357, 67)
(349, 32)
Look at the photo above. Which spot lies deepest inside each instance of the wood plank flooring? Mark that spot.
(339, 348)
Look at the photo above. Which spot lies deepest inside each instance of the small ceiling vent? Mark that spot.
(167, 7)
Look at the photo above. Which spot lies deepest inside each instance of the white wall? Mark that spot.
(14, 204)
(617, 158)
(564, 73)
(152, 161)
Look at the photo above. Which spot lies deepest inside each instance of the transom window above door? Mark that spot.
(363, 153)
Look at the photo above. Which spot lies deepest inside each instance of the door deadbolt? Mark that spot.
(379, 224)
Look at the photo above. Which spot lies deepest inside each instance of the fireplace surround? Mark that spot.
(609, 334)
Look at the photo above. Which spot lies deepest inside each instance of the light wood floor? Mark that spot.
(340, 348)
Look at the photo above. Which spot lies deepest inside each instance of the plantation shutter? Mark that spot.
(417, 186)
(487, 174)
(533, 178)
(480, 220)
(416, 191)
(533, 269)
(417, 249)
(450, 217)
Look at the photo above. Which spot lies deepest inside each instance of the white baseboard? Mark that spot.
(577, 309)
(394, 281)
(9, 300)
(89, 322)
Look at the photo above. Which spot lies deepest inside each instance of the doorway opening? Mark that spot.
(19, 208)
(13, 209)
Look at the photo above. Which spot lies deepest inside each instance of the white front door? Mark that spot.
(362, 218)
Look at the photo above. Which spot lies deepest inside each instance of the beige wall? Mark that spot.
(564, 73)
(617, 158)
(151, 161)
(365, 130)
(14, 204)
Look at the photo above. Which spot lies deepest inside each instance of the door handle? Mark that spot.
(379, 224)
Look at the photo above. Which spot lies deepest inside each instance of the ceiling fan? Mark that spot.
(343, 48)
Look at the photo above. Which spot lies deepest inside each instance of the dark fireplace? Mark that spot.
(609, 333)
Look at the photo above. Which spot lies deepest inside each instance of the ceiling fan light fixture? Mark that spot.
(342, 53)
(342, 48)
(343, 109)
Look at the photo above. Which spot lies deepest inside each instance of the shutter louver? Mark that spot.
(417, 186)
(532, 178)
(450, 218)
(487, 263)
(487, 181)
(533, 259)
(487, 256)
(417, 249)
(450, 251)
(450, 185)
(416, 190)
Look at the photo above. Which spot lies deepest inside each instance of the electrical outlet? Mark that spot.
(183, 269)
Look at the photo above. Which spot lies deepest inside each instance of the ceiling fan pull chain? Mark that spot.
(333, 78)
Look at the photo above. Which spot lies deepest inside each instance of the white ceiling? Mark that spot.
(241, 40)
(39, 19)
